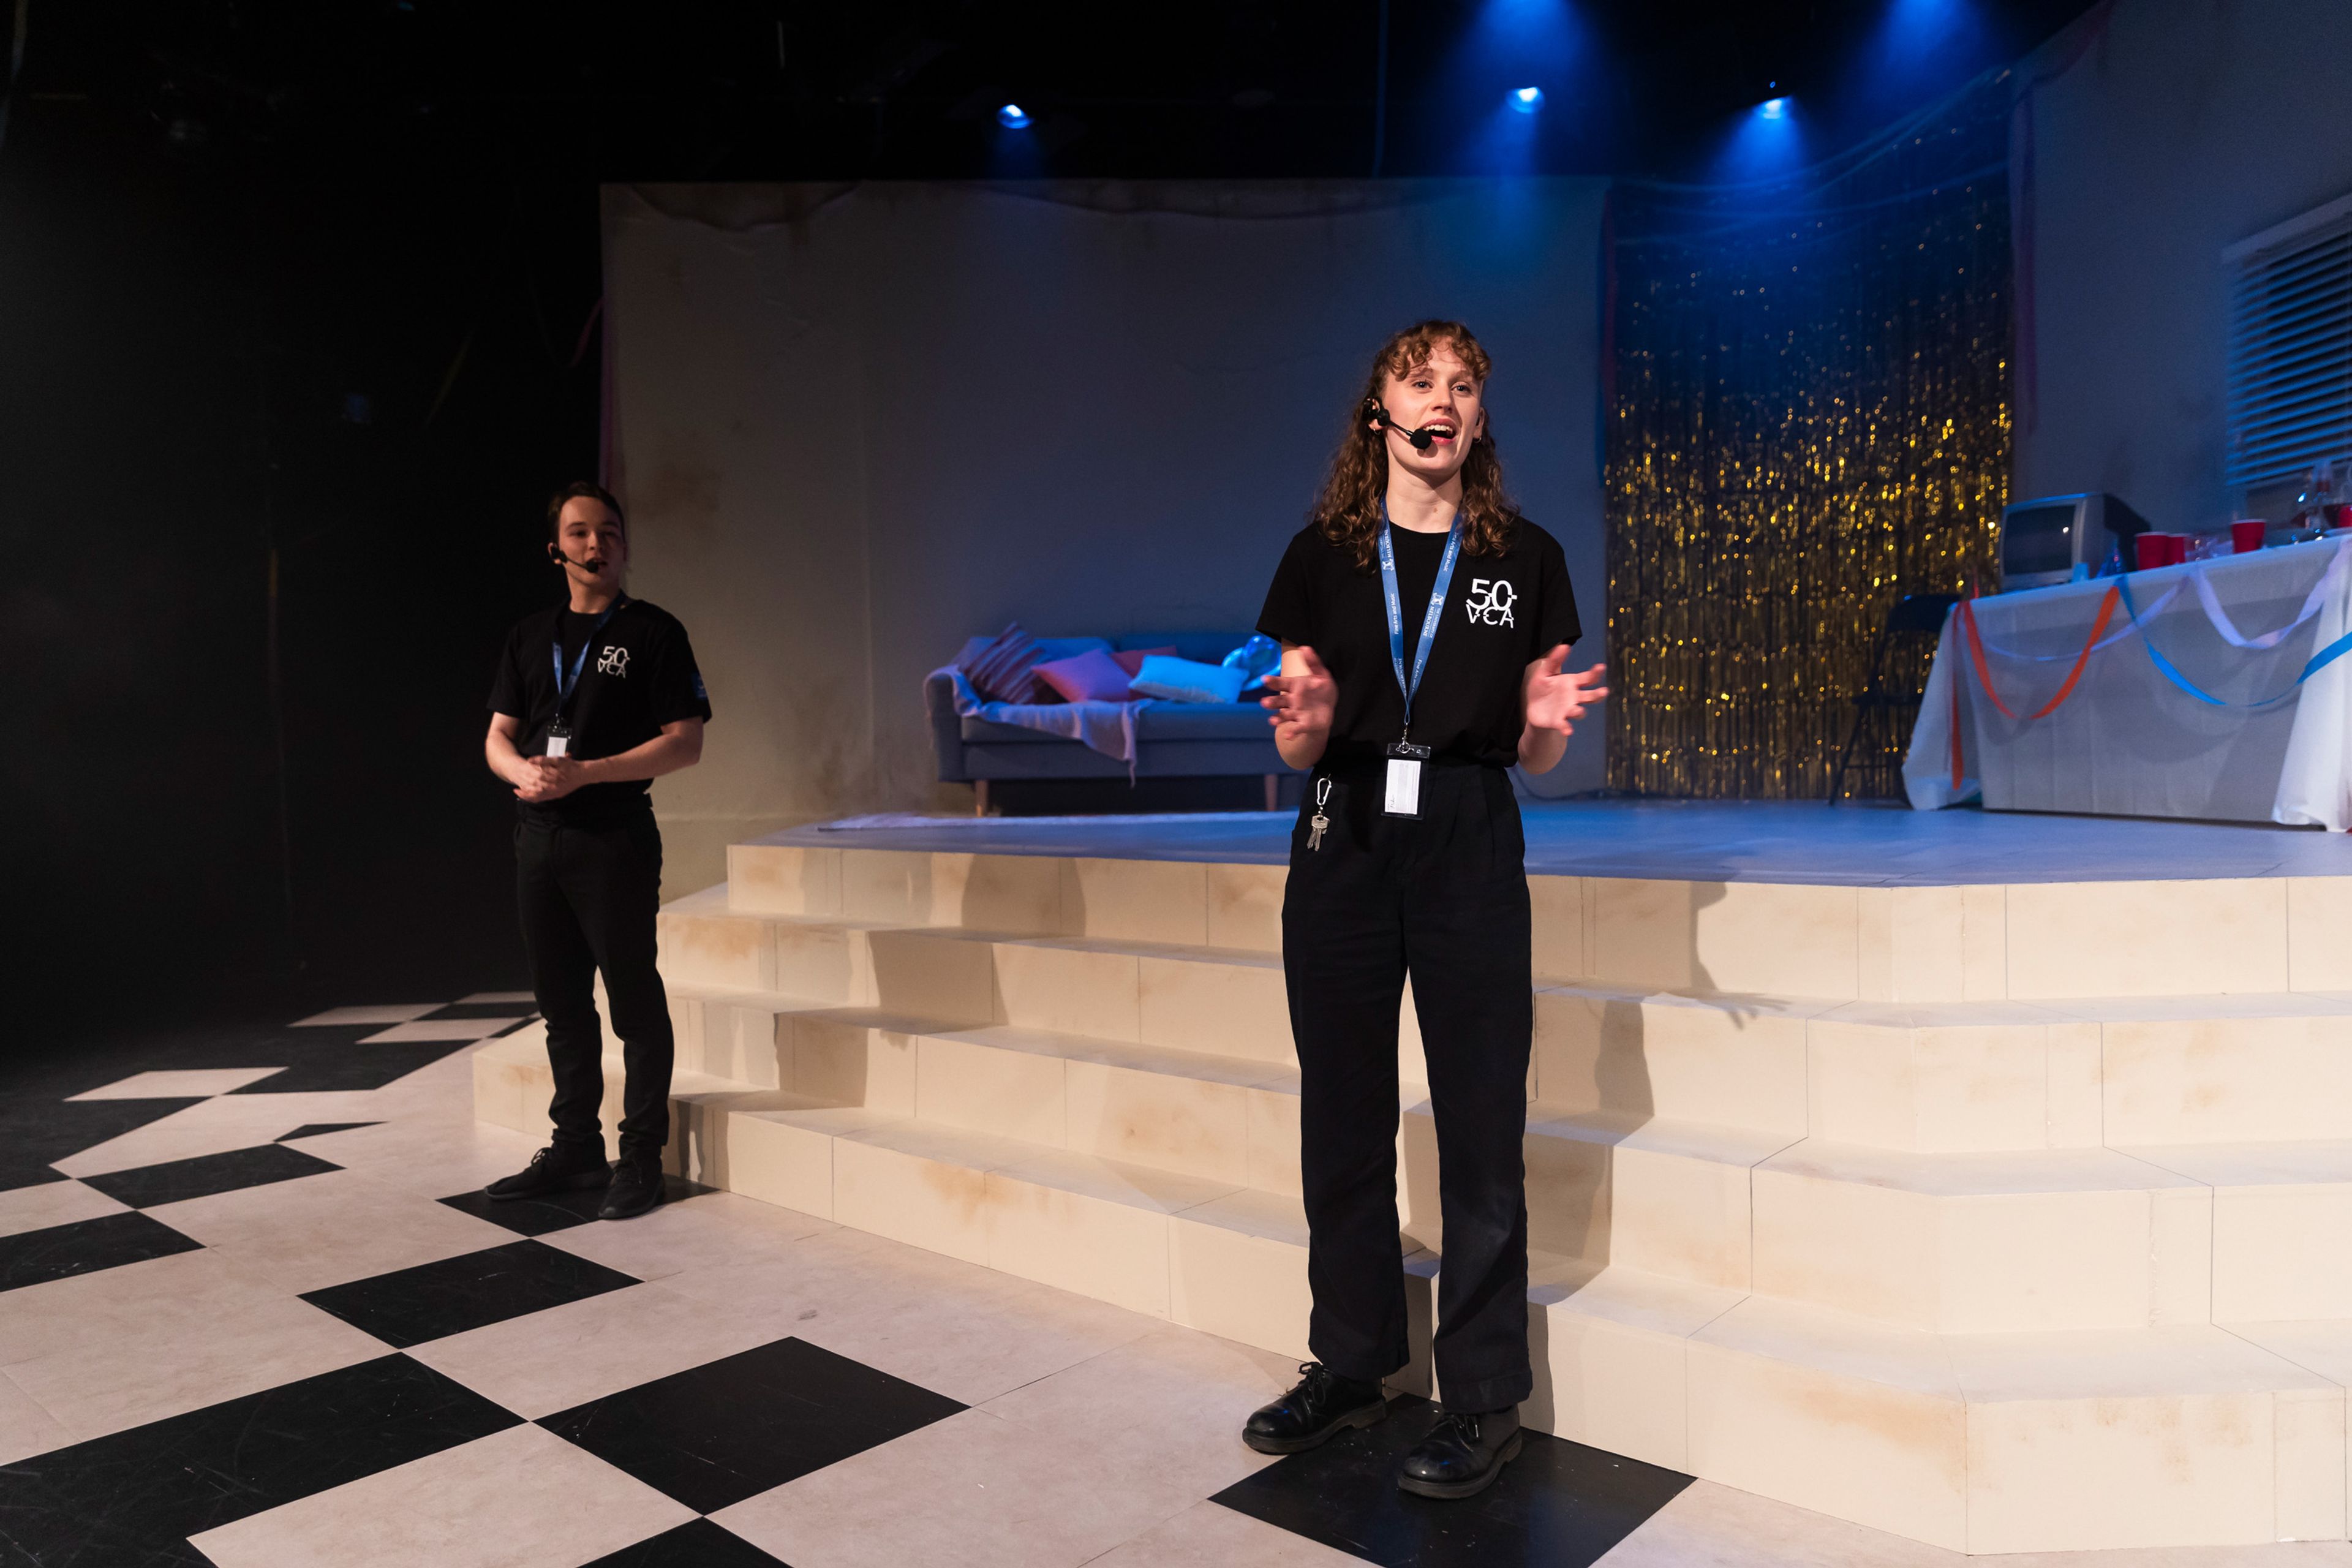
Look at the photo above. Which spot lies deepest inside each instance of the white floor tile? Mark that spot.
(47, 1203)
(499, 999)
(519, 1499)
(397, 1015)
(213, 1127)
(329, 1229)
(26, 1428)
(971, 1489)
(963, 1330)
(1169, 1407)
(432, 1156)
(125, 1346)
(1711, 1526)
(428, 1029)
(715, 1228)
(567, 1355)
(1211, 1535)
(185, 1084)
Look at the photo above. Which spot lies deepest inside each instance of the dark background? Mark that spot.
(305, 289)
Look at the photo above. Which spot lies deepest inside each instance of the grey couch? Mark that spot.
(1172, 739)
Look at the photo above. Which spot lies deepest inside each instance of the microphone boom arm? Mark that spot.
(1421, 439)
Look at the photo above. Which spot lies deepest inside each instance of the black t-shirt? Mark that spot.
(1502, 614)
(574, 628)
(636, 674)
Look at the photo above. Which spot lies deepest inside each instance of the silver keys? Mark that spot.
(1319, 822)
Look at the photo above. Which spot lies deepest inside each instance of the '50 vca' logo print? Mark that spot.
(613, 661)
(1489, 600)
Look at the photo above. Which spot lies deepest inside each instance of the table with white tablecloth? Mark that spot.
(2227, 735)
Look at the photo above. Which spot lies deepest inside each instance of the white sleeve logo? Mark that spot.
(1489, 600)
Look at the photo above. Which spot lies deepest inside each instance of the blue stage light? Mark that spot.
(1766, 142)
(1921, 49)
(1918, 25)
(1012, 117)
(1527, 99)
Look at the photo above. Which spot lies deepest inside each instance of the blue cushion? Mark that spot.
(1185, 681)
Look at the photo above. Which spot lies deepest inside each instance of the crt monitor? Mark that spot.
(2043, 541)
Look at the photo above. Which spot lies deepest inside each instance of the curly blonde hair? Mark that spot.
(1349, 510)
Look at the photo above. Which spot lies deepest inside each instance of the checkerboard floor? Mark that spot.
(254, 1311)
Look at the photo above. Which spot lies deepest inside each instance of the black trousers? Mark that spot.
(588, 896)
(1443, 897)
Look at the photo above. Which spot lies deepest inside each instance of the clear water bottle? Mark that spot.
(2311, 506)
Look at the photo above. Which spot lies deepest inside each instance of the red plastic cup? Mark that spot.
(2247, 537)
(2152, 549)
(2176, 549)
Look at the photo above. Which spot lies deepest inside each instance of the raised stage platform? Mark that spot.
(1987, 1180)
(1732, 841)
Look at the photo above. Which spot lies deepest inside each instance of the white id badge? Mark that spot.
(1401, 796)
(557, 745)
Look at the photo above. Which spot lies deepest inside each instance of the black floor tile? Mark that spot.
(146, 1186)
(1560, 1504)
(531, 1217)
(436, 1299)
(352, 1065)
(35, 1256)
(320, 1129)
(485, 1010)
(135, 1497)
(698, 1544)
(733, 1428)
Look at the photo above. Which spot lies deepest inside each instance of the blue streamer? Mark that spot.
(2317, 662)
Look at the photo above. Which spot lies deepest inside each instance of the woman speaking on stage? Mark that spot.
(1423, 624)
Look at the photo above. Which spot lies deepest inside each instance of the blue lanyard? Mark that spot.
(1396, 609)
(566, 684)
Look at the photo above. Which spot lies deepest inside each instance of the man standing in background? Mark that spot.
(592, 700)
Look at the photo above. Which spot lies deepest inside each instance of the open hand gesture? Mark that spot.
(1299, 705)
(1556, 700)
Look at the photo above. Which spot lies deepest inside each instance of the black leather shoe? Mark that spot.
(1462, 1454)
(636, 1187)
(1322, 1406)
(553, 1169)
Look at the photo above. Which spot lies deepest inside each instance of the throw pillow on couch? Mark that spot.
(1185, 680)
(1093, 676)
(1006, 670)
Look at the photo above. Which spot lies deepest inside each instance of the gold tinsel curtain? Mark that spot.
(1810, 419)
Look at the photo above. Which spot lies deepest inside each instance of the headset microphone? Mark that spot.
(555, 554)
(1421, 439)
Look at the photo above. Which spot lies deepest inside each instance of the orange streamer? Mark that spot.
(1984, 672)
(1955, 735)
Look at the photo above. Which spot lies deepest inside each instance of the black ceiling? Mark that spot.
(1217, 89)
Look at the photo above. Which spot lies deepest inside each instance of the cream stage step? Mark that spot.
(1995, 1216)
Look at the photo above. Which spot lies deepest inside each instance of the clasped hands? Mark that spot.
(549, 778)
